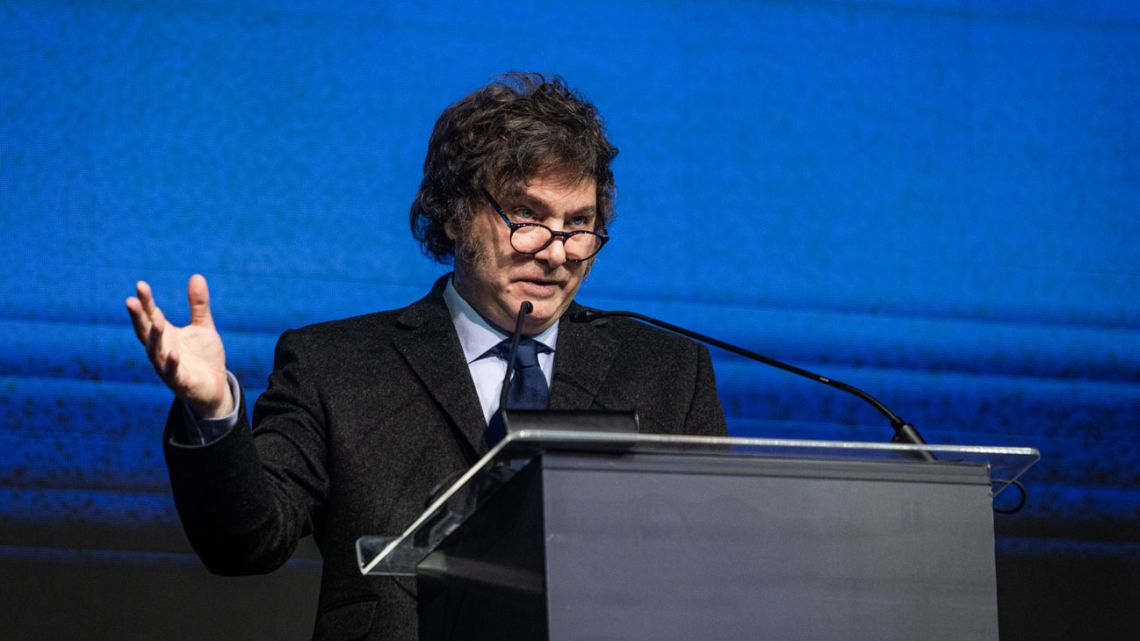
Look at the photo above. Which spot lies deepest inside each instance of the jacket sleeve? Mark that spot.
(246, 499)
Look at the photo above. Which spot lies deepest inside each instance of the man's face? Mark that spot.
(495, 279)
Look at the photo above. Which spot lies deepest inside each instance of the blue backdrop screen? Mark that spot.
(937, 201)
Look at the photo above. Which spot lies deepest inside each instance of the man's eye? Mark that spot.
(522, 214)
(579, 221)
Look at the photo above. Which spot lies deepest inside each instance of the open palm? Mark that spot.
(191, 360)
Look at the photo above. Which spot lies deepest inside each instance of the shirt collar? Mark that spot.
(476, 335)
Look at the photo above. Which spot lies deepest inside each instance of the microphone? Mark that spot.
(498, 425)
(904, 432)
(525, 308)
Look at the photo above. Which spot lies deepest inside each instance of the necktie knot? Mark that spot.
(525, 356)
(528, 388)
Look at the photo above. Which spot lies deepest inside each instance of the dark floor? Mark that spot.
(1040, 599)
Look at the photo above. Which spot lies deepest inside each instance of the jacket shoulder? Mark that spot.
(336, 336)
(636, 335)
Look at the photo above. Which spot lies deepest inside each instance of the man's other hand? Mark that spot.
(190, 360)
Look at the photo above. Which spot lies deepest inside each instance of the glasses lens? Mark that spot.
(530, 238)
(581, 246)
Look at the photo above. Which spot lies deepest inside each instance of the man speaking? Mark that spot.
(362, 417)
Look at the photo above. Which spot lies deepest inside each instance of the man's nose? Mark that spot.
(553, 254)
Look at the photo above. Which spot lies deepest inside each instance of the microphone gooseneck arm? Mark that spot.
(904, 432)
(525, 308)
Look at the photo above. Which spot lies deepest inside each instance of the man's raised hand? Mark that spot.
(190, 359)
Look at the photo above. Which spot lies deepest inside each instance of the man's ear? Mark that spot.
(452, 230)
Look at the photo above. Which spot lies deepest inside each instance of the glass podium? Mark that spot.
(401, 555)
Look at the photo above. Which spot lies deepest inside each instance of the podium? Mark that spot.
(599, 536)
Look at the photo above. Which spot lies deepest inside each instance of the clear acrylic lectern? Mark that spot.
(598, 536)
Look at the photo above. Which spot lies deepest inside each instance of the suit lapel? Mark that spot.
(584, 354)
(583, 357)
(432, 350)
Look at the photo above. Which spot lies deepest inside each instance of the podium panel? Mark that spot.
(690, 541)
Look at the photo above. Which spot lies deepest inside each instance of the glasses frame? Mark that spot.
(602, 237)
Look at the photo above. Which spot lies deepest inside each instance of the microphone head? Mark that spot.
(526, 307)
(585, 315)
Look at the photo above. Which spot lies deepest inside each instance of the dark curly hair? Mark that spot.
(515, 129)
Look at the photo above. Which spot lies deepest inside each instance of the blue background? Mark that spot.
(935, 200)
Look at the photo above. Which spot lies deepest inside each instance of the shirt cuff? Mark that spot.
(203, 431)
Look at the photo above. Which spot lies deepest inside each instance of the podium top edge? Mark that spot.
(568, 437)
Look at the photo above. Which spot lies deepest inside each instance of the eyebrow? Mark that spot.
(530, 202)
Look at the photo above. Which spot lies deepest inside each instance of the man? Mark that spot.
(363, 416)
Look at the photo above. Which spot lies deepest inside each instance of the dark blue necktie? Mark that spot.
(528, 390)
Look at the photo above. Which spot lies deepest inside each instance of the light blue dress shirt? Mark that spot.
(479, 339)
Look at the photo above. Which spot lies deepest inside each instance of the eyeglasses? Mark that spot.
(531, 238)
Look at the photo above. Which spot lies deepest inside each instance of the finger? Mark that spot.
(154, 339)
(138, 319)
(146, 297)
(164, 350)
(198, 295)
(158, 320)
(170, 360)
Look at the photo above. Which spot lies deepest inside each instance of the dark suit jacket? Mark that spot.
(363, 416)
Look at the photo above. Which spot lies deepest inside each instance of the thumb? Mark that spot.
(198, 294)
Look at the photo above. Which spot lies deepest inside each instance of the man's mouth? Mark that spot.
(540, 286)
